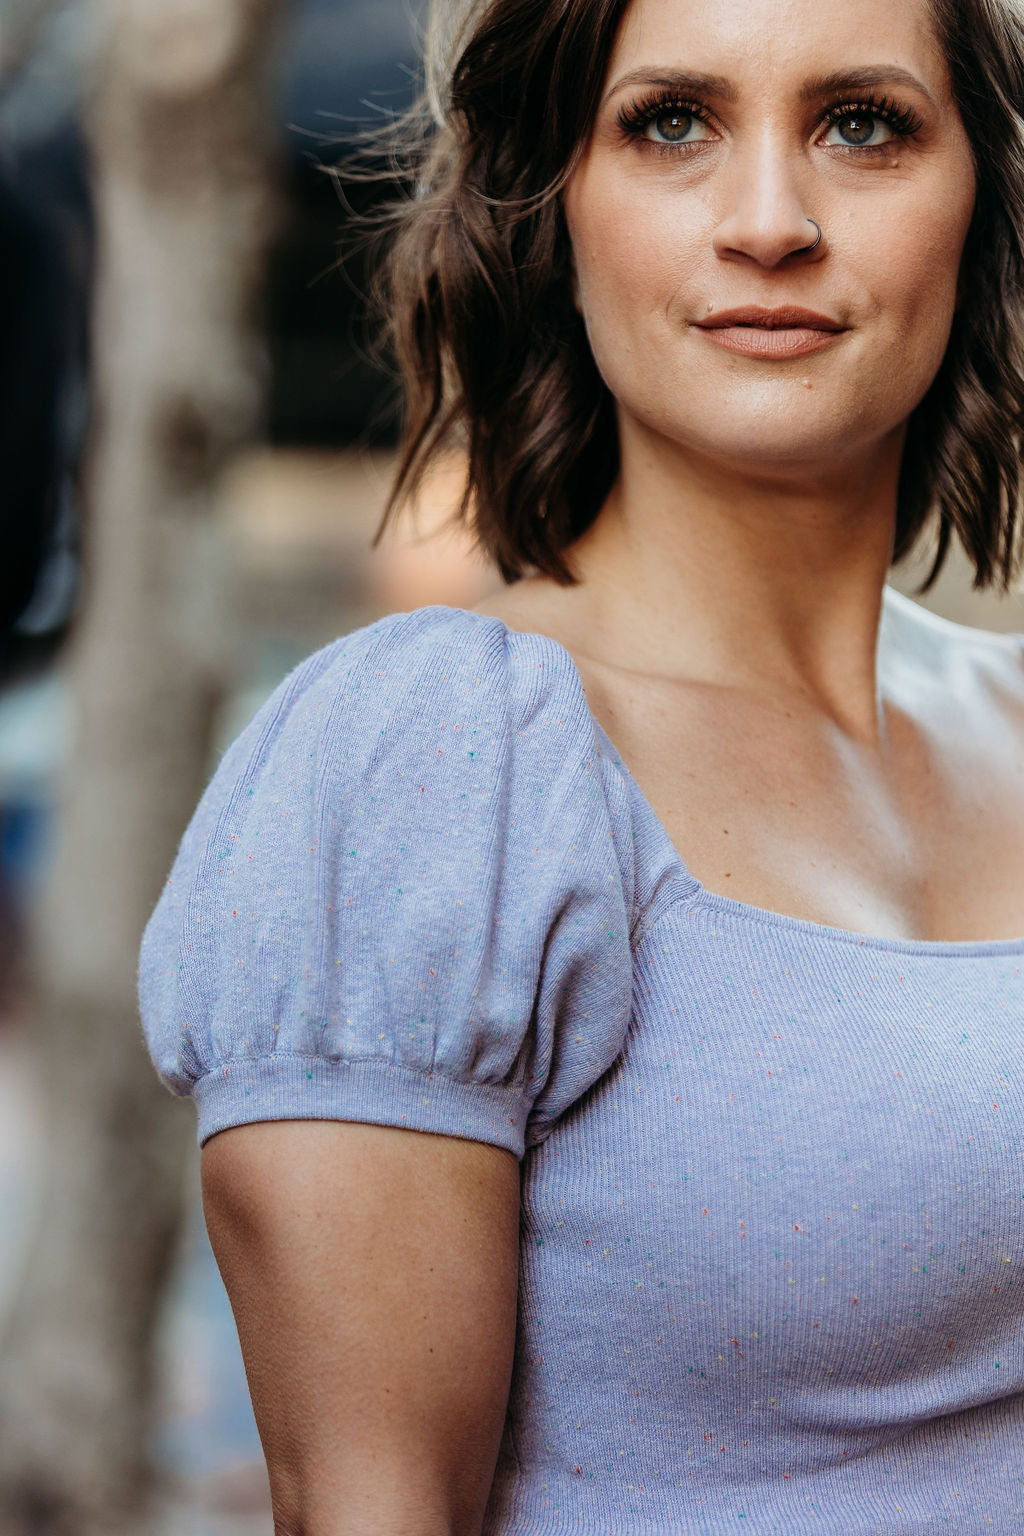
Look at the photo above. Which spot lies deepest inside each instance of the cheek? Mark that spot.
(633, 258)
(912, 270)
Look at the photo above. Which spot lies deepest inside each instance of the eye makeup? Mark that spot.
(903, 119)
(635, 118)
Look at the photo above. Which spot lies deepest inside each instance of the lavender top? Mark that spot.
(773, 1186)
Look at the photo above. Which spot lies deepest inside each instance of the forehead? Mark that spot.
(777, 42)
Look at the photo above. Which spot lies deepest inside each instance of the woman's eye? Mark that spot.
(676, 127)
(859, 130)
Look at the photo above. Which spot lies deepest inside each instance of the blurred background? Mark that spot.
(196, 447)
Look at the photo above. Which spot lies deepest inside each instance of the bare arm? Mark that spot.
(373, 1277)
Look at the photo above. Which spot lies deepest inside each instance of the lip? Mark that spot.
(787, 318)
(785, 332)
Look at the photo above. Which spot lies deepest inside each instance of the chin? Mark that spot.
(751, 445)
(806, 427)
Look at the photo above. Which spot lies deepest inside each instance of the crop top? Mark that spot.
(772, 1241)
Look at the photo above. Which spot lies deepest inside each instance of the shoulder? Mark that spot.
(962, 684)
(439, 720)
(959, 659)
(439, 659)
(407, 684)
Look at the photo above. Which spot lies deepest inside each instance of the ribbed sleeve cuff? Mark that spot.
(291, 1087)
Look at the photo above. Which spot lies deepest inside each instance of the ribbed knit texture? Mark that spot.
(772, 1268)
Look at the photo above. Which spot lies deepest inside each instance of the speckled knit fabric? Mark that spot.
(773, 1171)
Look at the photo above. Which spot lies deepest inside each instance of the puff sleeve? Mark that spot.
(405, 896)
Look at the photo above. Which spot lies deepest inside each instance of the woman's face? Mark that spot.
(725, 126)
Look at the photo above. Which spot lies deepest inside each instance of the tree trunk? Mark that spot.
(183, 153)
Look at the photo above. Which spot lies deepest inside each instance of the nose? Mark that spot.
(764, 218)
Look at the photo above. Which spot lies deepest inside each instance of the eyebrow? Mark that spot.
(685, 82)
(863, 79)
(680, 80)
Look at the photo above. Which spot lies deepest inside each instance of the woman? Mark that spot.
(721, 1039)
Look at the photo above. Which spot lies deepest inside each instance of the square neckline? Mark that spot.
(699, 894)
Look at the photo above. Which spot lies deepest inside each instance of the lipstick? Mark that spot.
(783, 332)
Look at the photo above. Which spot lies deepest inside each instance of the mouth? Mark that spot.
(785, 332)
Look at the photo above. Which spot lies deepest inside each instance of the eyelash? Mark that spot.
(634, 118)
(903, 120)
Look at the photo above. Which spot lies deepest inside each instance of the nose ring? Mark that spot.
(817, 239)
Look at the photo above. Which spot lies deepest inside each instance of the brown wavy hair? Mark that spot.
(474, 288)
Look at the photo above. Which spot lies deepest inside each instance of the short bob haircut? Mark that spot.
(474, 290)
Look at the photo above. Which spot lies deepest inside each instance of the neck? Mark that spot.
(767, 578)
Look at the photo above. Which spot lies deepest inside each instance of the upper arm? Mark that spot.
(373, 1276)
(394, 949)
